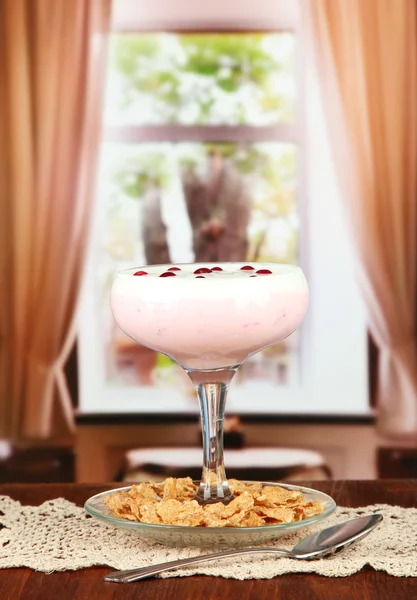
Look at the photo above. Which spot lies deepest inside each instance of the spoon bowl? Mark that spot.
(332, 539)
(318, 545)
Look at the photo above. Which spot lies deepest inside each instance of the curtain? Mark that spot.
(52, 65)
(366, 55)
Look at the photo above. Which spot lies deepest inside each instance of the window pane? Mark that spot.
(204, 78)
(184, 202)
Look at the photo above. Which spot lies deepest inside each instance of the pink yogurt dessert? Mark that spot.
(209, 316)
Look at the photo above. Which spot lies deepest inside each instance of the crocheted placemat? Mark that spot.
(60, 536)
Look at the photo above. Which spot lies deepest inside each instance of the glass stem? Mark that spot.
(212, 389)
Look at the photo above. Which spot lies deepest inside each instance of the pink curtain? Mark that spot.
(366, 53)
(53, 55)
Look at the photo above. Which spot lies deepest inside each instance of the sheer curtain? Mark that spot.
(52, 55)
(366, 55)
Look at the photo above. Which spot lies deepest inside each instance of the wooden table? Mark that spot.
(87, 584)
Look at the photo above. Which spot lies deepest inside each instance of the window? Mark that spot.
(203, 158)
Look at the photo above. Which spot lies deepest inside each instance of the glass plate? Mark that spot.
(177, 535)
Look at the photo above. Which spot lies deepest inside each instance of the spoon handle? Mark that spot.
(143, 572)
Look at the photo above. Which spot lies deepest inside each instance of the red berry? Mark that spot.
(200, 277)
(217, 269)
(174, 269)
(168, 274)
(264, 272)
(202, 270)
(247, 268)
(140, 273)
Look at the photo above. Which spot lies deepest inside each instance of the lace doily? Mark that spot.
(59, 536)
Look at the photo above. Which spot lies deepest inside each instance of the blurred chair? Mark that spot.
(397, 463)
(38, 465)
(251, 464)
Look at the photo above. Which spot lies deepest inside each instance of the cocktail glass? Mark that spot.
(210, 318)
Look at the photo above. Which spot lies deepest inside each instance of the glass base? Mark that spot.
(212, 494)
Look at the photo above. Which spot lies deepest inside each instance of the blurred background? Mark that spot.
(138, 132)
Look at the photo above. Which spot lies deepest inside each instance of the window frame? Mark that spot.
(294, 133)
(268, 16)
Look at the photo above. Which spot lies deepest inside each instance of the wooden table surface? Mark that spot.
(87, 584)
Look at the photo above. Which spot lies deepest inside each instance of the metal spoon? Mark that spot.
(320, 544)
